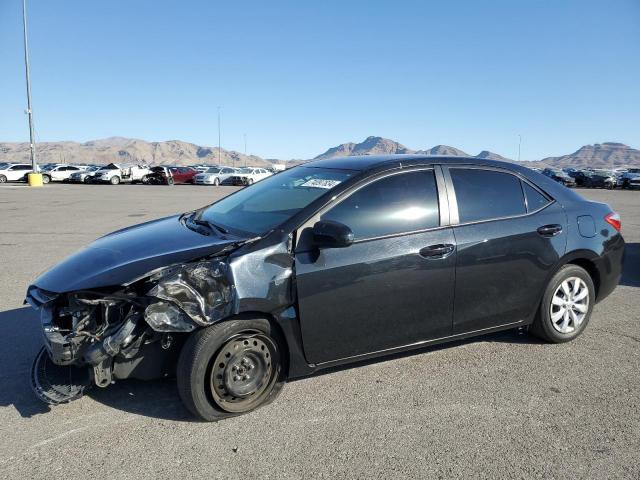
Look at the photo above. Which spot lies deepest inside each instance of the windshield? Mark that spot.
(244, 170)
(47, 168)
(634, 170)
(3, 166)
(270, 202)
(604, 173)
(213, 170)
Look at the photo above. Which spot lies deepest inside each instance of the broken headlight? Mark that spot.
(192, 294)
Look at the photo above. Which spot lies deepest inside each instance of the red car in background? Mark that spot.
(171, 175)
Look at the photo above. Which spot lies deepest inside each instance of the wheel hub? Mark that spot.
(243, 369)
(569, 305)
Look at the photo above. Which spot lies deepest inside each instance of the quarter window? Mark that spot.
(398, 203)
(486, 194)
(535, 199)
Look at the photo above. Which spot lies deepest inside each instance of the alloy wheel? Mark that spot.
(569, 305)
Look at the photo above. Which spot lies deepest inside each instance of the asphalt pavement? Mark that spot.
(498, 406)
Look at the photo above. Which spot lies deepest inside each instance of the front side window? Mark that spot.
(486, 194)
(395, 204)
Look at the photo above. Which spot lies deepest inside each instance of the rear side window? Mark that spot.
(398, 203)
(535, 199)
(486, 194)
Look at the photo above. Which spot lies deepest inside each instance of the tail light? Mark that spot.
(613, 219)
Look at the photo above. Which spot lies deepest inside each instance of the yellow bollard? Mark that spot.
(35, 179)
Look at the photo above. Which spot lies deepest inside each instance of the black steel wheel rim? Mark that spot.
(243, 372)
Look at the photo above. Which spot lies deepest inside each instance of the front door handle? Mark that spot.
(440, 250)
(550, 230)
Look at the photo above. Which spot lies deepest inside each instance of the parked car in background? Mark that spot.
(59, 173)
(249, 175)
(115, 173)
(84, 176)
(170, 175)
(601, 179)
(326, 264)
(559, 176)
(631, 178)
(14, 172)
(214, 175)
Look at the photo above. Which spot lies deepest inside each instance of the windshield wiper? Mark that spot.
(206, 223)
(196, 220)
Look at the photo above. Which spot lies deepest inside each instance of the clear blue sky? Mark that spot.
(298, 77)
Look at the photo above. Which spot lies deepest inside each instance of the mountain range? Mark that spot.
(177, 152)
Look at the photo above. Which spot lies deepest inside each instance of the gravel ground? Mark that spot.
(499, 406)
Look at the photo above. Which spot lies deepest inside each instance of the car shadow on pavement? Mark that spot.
(21, 341)
(631, 269)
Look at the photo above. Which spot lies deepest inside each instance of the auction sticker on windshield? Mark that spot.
(320, 183)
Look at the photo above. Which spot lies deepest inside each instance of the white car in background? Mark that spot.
(83, 176)
(249, 175)
(214, 175)
(58, 173)
(12, 172)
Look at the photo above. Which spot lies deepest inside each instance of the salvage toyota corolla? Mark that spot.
(324, 264)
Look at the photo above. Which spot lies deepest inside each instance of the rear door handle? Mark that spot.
(440, 250)
(550, 230)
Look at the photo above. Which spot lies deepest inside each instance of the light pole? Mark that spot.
(219, 142)
(32, 144)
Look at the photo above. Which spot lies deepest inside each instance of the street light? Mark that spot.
(35, 179)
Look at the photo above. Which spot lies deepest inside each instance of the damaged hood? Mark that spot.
(126, 255)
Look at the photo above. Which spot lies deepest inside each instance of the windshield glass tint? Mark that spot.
(272, 201)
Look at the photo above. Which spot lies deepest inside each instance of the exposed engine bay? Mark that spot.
(132, 331)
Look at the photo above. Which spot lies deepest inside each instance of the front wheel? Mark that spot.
(115, 180)
(216, 182)
(566, 306)
(46, 179)
(231, 368)
(3, 179)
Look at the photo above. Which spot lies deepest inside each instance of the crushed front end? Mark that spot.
(130, 331)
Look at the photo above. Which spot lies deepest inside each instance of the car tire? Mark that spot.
(3, 179)
(145, 180)
(213, 358)
(250, 181)
(170, 181)
(216, 182)
(46, 179)
(566, 305)
(115, 180)
(87, 180)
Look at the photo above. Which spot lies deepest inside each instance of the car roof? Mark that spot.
(371, 162)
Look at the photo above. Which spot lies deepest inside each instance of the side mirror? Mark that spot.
(327, 233)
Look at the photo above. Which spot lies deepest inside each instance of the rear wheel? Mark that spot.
(566, 305)
(231, 368)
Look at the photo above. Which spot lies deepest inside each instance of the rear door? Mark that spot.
(390, 288)
(509, 236)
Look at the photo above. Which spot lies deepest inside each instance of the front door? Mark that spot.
(393, 286)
